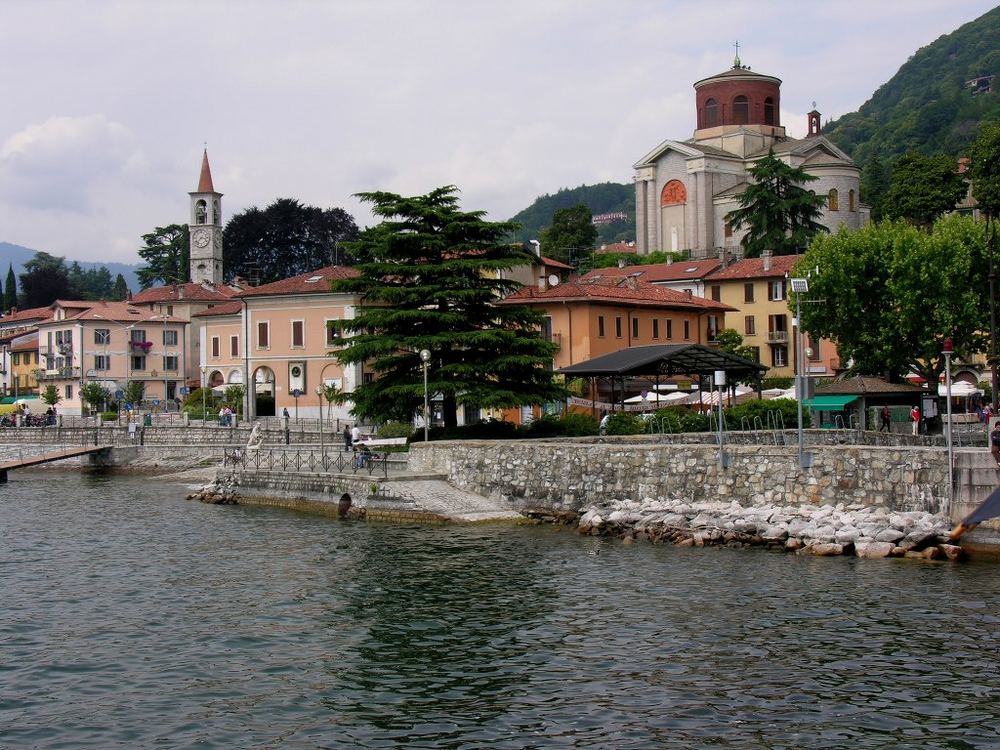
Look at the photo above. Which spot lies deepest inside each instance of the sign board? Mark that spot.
(156, 402)
(296, 392)
(119, 394)
(184, 390)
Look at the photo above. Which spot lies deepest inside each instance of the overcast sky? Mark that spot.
(105, 106)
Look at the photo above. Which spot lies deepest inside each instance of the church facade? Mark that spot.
(685, 189)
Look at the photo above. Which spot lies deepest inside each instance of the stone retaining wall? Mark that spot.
(570, 476)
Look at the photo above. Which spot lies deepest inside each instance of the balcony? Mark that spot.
(777, 337)
(58, 373)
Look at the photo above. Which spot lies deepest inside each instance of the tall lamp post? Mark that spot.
(204, 385)
(425, 357)
(720, 384)
(319, 398)
(800, 287)
(947, 350)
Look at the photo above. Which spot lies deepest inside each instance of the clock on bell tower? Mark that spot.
(206, 228)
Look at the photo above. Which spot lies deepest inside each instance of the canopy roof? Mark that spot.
(830, 403)
(668, 359)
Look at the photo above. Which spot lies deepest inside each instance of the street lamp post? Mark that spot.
(720, 384)
(947, 350)
(319, 399)
(204, 385)
(425, 357)
(800, 287)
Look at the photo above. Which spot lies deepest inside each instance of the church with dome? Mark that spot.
(685, 188)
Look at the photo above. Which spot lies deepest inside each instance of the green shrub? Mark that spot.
(575, 424)
(490, 429)
(625, 423)
(109, 416)
(680, 419)
(783, 383)
(760, 409)
(396, 430)
(570, 424)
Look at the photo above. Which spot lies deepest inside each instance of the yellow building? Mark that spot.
(24, 365)
(758, 288)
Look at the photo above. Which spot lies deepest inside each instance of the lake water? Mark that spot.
(132, 618)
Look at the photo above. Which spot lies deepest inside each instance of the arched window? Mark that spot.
(201, 212)
(850, 201)
(741, 110)
(711, 113)
(833, 200)
(769, 111)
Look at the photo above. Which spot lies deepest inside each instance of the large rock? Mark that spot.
(873, 550)
(777, 533)
(951, 551)
(822, 549)
(847, 535)
(889, 535)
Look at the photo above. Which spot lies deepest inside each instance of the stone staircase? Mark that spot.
(976, 476)
(440, 498)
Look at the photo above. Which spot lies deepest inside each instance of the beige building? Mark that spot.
(291, 328)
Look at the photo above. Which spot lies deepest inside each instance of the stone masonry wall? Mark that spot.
(570, 476)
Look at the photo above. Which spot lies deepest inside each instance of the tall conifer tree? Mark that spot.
(429, 280)
(10, 290)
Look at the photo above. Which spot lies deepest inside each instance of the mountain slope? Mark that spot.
(928, 105)
(604, 198)
(18, 256)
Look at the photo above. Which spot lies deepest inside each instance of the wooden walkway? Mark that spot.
(44, 458)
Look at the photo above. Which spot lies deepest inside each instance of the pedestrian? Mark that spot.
(347, 437)
(355, 436)
(915, 418)
(284, 413)
(995, 443)
(886, 424)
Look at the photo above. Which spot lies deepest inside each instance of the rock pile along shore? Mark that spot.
(804, 529)
(218, 492)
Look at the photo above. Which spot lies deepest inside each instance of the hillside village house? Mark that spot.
(291, 328)
(24, 365)
(111, 343)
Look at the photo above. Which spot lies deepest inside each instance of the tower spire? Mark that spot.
(736, 60)
(205, 179)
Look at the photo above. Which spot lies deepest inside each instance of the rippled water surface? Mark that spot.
(132, 618)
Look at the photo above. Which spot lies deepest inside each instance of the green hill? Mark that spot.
(934, 104)
(605, 198)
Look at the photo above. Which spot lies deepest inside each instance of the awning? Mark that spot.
(829, 403)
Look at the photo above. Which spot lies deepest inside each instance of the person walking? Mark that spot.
(347, 437)
(886, 423)
(355, 436)
(915, 418)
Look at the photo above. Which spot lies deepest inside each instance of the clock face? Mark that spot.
(200, 238)
(217, 236)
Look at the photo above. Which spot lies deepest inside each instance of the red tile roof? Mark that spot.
(753, 268)
(615, 291)
(314, 282)
(191, 291)
(555, 263)
(117, 312)
(617, 247)
(26, 343)
(32, 313)
(226, 308)
(660, 272)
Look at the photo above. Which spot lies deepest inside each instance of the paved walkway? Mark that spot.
(439, 497)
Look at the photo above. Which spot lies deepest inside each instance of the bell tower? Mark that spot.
(206, 228)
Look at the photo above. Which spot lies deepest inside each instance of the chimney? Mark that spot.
(766, 257)
(688, 293)
(537, 246)
(180, 291)
(621, 263)
(723, 257)
(541, 283)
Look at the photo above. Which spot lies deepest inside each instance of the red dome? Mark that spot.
(738, 97)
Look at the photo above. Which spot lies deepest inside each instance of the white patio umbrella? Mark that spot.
(958, 388)
(658, 398)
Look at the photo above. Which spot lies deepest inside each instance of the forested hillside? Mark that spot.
(930, 105)
(605, 198)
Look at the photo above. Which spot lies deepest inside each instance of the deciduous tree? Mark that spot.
(45, 279)
(892, 293)
(779, 213)
(923, 188)
(571, 236)
(285, 239)
(429, 279)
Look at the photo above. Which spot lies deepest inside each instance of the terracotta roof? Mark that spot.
(191, 291)
(32, 313)
(865, 386)
(617, 247)
(314, 282)
(205, 179)
(226, 308)
(753, 268)
(615, 291)
(659, 272)
(556, 264)
(735, 72)
(117, 312)
(25, 343)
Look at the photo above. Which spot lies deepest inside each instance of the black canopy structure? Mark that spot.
(664, 360)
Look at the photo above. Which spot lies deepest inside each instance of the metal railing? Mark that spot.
(297, 460)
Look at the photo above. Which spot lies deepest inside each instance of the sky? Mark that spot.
(106, 106)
